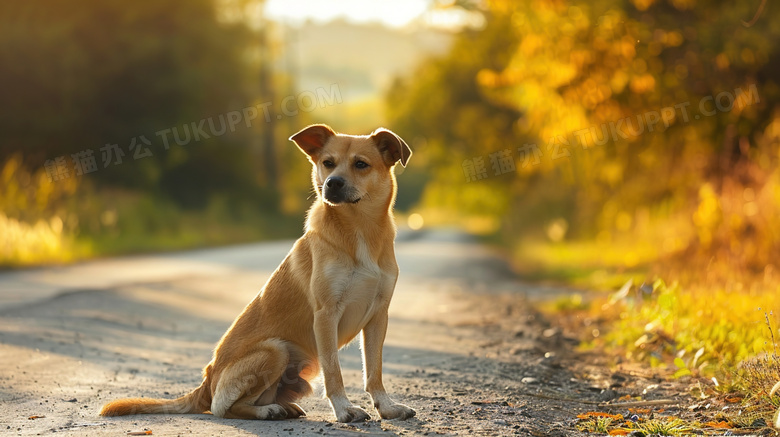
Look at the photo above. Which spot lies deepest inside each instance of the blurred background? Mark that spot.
(629, 145)
(592, 141)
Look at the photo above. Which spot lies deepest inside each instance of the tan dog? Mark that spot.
(336, 282)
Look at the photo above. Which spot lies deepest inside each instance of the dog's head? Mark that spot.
(349, 169)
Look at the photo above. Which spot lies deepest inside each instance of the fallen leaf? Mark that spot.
(144, 432)
(722, 425)
(619, 432)
(590, 415)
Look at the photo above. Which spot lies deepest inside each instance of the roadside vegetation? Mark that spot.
(546, 130)
(45, 223)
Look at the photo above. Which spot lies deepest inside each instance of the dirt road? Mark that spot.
(464, 348)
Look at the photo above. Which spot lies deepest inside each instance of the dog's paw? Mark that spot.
(272, 412)
(352, 414)
(293, 410)
(395, 411)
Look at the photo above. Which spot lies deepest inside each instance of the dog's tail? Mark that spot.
(197, 401)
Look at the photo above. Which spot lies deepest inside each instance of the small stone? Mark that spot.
(608, 395)
(758, 423)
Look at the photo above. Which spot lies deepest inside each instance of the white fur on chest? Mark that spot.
(361, 288)
(364, 260)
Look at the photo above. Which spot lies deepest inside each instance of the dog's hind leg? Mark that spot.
(295, 383)
(247, 388)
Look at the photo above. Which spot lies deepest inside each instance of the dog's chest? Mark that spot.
(365, 264)
(365, 290)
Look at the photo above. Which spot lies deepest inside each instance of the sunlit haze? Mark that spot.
(395, 13)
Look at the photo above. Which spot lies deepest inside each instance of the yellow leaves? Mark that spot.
(489, 78)
(639, 65)
(23, 243)
(580, 58)
(591, 92)
(671, 38)
(618, 81)
(707, 215)
(31, 222)
(611, 172)
(722, 61)
(643, 83)
(627, 48)
(531, 44)
(642, 5)
(623, 221)
(674, 39)
(610, 20)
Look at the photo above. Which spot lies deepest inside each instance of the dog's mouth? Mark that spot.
(338, 200)
(336, 197)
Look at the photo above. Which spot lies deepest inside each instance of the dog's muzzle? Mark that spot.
(335, 191)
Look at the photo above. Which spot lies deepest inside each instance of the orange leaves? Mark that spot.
(644, 83)
(719, 425)
(596, 414)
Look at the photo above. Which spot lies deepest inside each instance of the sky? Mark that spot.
(393, 13)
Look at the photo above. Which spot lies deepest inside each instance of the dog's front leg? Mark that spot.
(326, 335)
(373, 339)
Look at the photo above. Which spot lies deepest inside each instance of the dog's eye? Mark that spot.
(328, 163)
(361, 164)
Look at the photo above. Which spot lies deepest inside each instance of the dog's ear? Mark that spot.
(392, 147)
(312, 138)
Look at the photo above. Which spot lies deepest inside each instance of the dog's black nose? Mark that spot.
(334, 182)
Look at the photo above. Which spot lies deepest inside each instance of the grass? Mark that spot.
(43, 222)
(131, 223)
(599, 425)
(715, 323)
(665, 427)
(725, 336)
(729, 333)
(664, 322)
